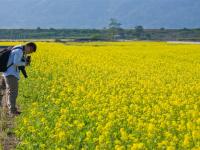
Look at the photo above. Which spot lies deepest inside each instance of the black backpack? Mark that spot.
(4, 56)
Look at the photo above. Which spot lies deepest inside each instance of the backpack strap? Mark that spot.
(11, 49)
(10, 65)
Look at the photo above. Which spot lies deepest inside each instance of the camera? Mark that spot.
(26, 59)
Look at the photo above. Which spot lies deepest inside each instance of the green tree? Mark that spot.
(115, 30)
(162, 29)
(139, 30)
(114, 24)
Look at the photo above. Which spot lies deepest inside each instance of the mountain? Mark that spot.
(97, 13)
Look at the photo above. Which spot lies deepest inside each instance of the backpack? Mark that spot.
(4, 56)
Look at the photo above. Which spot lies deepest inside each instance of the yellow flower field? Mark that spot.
(122, 95)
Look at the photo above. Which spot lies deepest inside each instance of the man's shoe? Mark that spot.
(17, 112)
(14, 113)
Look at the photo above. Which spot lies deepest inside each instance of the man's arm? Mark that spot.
(18, 58)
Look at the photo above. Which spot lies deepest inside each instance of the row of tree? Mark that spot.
(114, 31)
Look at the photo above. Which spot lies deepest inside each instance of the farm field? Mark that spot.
(112, 95)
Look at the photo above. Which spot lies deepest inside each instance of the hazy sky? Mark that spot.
(96, 13)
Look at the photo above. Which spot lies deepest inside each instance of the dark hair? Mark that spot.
(32, 45)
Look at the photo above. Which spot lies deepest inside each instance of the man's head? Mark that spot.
(30, 47)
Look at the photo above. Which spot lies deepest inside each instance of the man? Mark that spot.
(11, 75)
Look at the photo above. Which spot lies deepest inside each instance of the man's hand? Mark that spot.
(28, 60)
(28, 63)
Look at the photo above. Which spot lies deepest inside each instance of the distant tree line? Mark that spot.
(114, 31)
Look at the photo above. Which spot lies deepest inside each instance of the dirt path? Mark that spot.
(8, 140)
